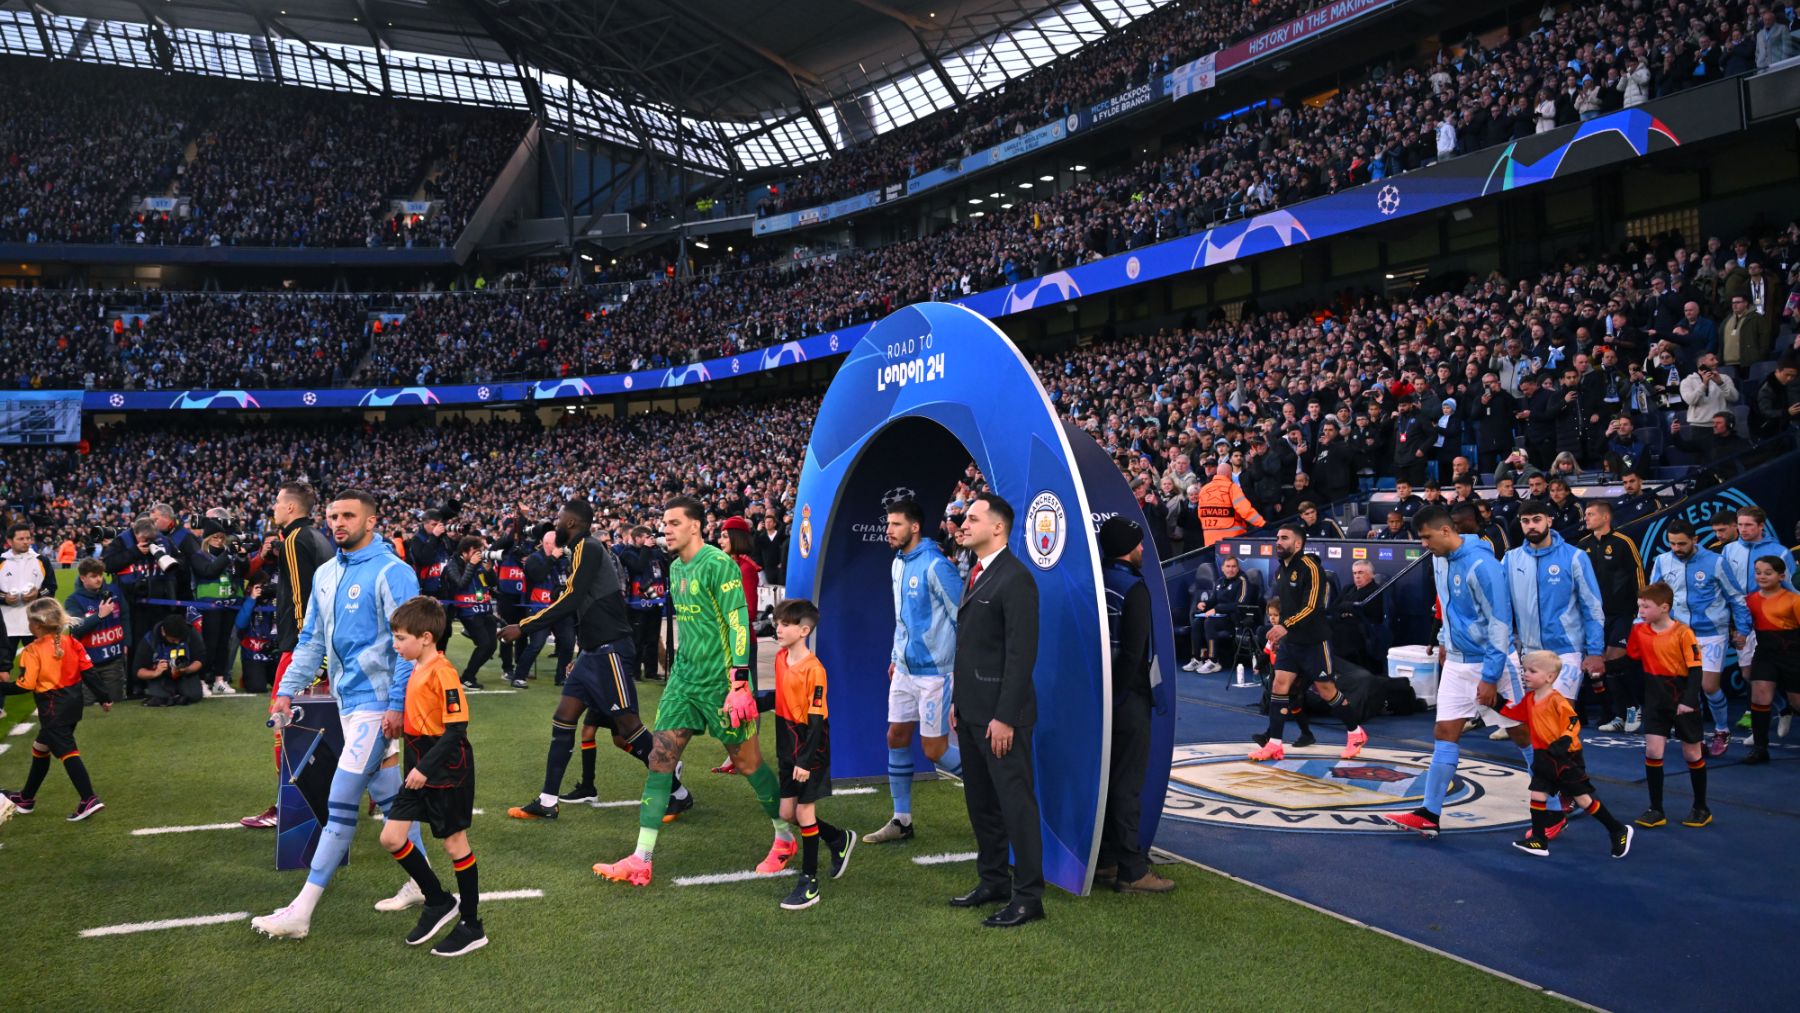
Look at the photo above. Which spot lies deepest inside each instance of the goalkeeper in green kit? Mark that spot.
(708, 689)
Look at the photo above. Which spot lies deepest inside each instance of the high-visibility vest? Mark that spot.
(1223, 510)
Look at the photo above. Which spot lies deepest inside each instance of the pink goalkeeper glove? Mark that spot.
(740, 705)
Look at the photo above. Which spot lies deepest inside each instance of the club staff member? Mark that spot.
(994, 711)
(25, 577)
(1122, 860)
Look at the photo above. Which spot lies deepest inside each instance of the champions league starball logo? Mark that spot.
(1387, 200)
(693, 373)
(403, 396)
(1055, 287)
(572, 387)
(1274, 230)
(787, 354)
(1313, 791)
(195, 399)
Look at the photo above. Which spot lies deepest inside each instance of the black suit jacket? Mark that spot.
(996, 646)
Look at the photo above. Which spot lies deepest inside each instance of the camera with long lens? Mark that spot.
(161, 557)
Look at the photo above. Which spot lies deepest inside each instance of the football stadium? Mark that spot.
(1039, 504)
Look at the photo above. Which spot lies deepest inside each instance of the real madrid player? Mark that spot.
(1302, 655)
(1476, 640)
(708, 690)
(927, 593)
(600, 684)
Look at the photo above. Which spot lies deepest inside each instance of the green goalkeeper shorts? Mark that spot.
(699, 711)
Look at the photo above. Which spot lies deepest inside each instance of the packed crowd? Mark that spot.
(741, 460)
(1141, 51)
(155, 340)
(1618, 363)
(1578, 63)
(269, 166)
(1397, 119)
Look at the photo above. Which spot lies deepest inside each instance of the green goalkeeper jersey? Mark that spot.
(713, 620)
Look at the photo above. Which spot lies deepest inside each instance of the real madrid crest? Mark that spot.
(806, 531)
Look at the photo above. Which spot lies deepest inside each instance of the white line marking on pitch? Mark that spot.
(490, 692)
(1378, 930)
(166, 923)
(620, 804)
(853, 791)
(152, 831)
(4, 747)
(511, 895)
(945, 858)
(22, 728)
(730, 877)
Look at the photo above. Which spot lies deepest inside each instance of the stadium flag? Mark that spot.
(1192, 78)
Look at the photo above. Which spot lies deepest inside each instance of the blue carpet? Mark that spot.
(1691, 918)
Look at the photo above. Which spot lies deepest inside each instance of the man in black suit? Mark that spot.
(993, 708)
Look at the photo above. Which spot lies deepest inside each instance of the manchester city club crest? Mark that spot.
(1048, 530)
(1313, 791)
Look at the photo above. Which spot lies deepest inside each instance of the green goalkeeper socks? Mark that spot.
(767, 792)
(650, 813)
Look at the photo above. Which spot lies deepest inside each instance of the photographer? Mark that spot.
(168, 663)
(509, 551)
(1707, 392)
(428, 551)
(470, 584)
(25, 577)
(546, 577)
(219, 567)
(254, 624)
(131, 558)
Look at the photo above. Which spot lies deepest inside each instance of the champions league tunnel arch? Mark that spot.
(925, 392)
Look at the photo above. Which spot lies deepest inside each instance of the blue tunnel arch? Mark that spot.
(930, 389)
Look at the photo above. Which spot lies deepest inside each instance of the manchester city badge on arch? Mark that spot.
(1049, 530)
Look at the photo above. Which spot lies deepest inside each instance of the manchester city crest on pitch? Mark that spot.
(1314, 791)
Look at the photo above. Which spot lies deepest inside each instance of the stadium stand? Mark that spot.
(253, 165)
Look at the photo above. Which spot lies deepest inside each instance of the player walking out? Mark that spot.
(1475, 640)
(600, 681)
(1302, 656)
(1692, 573)
(708, 689)
(354, 597)
(927, 593)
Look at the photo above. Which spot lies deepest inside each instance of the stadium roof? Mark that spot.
(722, 85)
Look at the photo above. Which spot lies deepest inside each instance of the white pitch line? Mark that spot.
(22, 728)
(511, 895)
(166, 923)
(730, 877)
(490, 692)
(945, 858)
(853, 791)
(4, 747)
(1378, 930)
(153, 831)
(620, 804)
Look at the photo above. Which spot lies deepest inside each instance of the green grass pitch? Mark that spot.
(882, 937)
